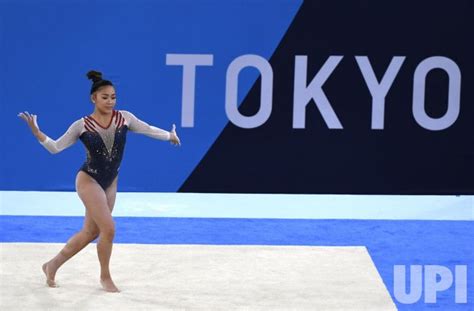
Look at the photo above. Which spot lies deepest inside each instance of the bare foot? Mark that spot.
(49, 276)
(109, 285)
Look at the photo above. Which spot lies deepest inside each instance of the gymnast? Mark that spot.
(103, 133)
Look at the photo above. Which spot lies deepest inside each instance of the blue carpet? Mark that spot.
(390, 243)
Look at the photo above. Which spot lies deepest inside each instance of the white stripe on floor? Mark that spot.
(136, 204)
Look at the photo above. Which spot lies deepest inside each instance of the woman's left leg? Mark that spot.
(106, 281)
(94, 198)
(111, 193)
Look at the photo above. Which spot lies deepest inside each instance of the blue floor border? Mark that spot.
(389, 242)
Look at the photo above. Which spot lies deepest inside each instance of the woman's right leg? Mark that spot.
(95, 201)
(77, 242)
(88, 233)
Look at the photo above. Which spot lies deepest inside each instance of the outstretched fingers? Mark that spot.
(174, 139)
(27, 116)
(24, 115)
(30, 119)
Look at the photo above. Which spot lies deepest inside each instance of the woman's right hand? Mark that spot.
(30, 119)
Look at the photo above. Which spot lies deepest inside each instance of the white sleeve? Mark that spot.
(68, 138)
(138, 126)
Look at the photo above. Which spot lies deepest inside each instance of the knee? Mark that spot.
(108, 232)
(91, 234)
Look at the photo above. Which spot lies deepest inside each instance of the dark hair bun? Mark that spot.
(94, 76)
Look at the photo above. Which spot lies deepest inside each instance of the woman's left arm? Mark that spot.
(138, 126)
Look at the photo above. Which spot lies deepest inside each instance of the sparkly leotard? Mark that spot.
(104, 145)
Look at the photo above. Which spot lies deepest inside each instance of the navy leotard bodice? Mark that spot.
(103, 163)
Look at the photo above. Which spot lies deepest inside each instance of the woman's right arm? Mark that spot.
(53, 146)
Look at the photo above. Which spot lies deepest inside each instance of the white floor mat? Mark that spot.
(191, 277)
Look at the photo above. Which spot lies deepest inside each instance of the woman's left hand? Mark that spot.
(174, 139)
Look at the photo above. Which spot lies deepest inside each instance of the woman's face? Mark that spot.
(104, 99)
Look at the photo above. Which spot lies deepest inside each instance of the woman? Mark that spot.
(103, 134)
